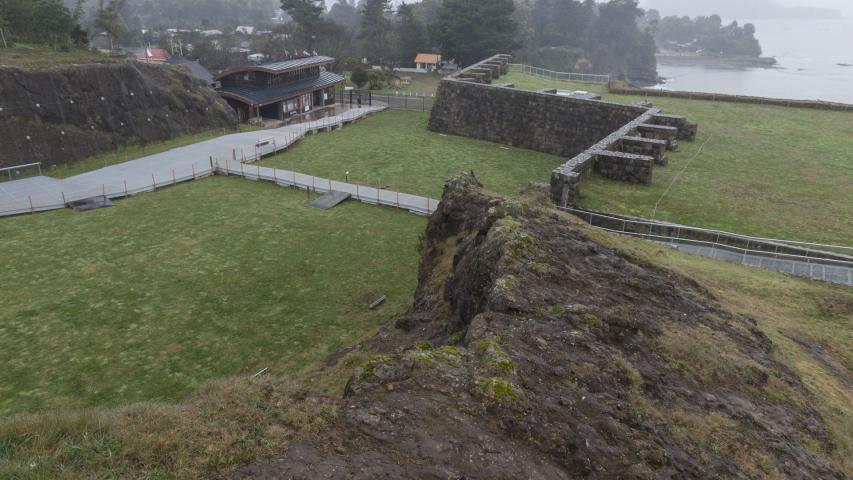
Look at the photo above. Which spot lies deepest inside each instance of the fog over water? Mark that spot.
(808, 53)
(811, 52)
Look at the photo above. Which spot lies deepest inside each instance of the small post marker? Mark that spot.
(377, 302)
(104, 189)
(174, 181)
(125, 189)
(63, 197)
(31, 203)
(153, 182)
(193, 171)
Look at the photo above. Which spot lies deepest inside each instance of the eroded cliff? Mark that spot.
(534, 350)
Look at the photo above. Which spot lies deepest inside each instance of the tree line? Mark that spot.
(42, 22)
(576, 35)
(706, 34)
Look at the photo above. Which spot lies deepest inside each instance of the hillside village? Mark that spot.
(441, 239)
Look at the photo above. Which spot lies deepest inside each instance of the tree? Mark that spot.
(618, 47)
(561, 22)
(345, 14)
(108, 19)
(375, 31)
(412, 33)
(470, 31)
(358, 76)
(307, 16)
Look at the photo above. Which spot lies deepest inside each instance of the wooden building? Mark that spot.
(279, 90)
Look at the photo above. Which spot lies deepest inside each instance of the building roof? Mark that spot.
(432, 58)
(195, 67)
(280, 67)
(266, 95)
(151, 55)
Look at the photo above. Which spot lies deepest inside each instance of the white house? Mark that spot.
(245, 30)
(428, 62)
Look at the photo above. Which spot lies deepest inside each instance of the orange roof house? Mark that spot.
(427, 61)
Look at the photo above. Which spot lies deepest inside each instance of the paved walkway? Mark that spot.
(167, 168)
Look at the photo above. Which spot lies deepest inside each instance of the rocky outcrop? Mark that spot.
(64, 114)
(534, 350)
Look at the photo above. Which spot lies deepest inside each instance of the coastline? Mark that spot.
(715, 61)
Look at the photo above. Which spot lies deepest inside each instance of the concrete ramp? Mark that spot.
(330, 200)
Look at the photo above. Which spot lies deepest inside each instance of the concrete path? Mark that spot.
(167, 168)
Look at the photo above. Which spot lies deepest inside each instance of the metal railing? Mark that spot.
(415, 103)
(15, 171)
(373, 195)
(562, 76)
(38, 199)
(811, 260)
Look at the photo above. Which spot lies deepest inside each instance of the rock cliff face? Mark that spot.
(535, 351)
(64, 114)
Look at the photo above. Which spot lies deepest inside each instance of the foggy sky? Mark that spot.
(733, 8)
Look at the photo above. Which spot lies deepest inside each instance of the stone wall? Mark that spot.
(65, 114)
(543, 122)
(621, 142)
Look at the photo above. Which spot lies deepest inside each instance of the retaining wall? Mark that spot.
(621, 142)
(719, 97)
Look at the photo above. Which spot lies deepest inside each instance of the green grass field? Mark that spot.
(159, 295)
(394, 149)
(38, 56)
(767, 171)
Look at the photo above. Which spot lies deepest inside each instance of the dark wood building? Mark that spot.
(279, 90)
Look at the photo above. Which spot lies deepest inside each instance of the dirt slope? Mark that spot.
(534, 351)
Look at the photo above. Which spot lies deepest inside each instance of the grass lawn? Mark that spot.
(32, 56)
(395, 149)
(764, 170)
(271, 301)
(157, 296)
(420, 83)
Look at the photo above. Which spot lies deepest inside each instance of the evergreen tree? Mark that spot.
(108, 19)
(470, 31)
(375, 31)
(412, 33)
(307, 16)
(345, 14)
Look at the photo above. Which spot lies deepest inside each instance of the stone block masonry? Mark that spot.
(627, 167)
(645, 146)
(618, 141)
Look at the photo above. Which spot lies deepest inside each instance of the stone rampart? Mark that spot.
(618, 141)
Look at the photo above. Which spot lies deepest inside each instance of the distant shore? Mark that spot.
(715, 61)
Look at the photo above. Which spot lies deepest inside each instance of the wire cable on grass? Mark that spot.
(678, 175)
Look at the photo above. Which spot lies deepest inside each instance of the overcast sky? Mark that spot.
(707, 7)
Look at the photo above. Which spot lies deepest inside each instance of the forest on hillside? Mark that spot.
(570, 35)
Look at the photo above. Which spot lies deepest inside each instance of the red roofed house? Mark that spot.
(428, 61)
(156, 56)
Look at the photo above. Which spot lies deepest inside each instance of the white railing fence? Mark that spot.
(562, 76)
(810, 260)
